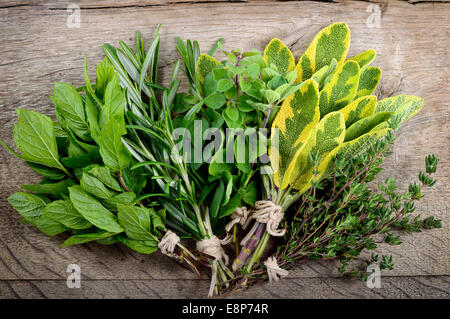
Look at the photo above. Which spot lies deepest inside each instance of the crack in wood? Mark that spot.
(383, 3)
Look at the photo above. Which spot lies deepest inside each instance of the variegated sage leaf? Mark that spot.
(278, 54)
(368, 81)
(358, 109)
(365, 125)
(341, 89)
(403, 106)
(330, 43)
(327, 136)
(295, 120)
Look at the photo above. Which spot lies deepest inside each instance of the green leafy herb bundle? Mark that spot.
(131, 160)
(90, 187)
(332, 113)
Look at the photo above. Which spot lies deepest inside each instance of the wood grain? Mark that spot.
(302, 288)
(38, 49)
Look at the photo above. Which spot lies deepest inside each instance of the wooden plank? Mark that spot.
(38, 49)
(392, 287)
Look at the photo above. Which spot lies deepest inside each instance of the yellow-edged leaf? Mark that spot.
(368, 81)
(349, 149)
(327, 135)
(205, 64)
(403, 106)
(277, 53)
(341, 89)
(296, 118)
(320, 75)
(359, 145)
(365, 58)
(330, 43)
(358, 109)
(365, 125)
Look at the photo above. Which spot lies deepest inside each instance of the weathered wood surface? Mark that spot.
(38, 49)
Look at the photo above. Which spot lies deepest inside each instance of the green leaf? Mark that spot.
(215, 101)
(31, 208)
(224, 85)
(122, 198)
(81, 161)
(365, 125)
(278, 54)
(65, 213)
(251, 193)
(295, 120)
(135, 179)
(114, 106)
(135, 221)
(330, 43)
(205, 64)
(209, 85)
(93, 211)
(368, 81)
(358, 109)
(104, 175)
(70, 109)
(85, 238)
(234, 203)
(157, 218)
(113, 152)
(94, 186)
(217, 199)
(51, 173)
(92, 117)
(142, 247)
(402, 106)
(105, 73)
(218, 164)
(34, 136)
(56, 189)
(28, 205)
(341, 89)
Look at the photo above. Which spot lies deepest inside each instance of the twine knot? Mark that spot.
(274, 272)
(213, 246)
(168, 243)
(267, 212)
(239, 216)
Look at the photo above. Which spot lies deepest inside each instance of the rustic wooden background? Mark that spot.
(38, 48)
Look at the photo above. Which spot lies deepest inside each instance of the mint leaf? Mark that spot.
(143, 247)
(135, 221)
(35, 138)
(105, 73)
(31, 207)
(113, 152)
(50, 188)
(51, 173)
(85, 238)
(93, 211)
(65, 213)
(70, 109)
(94, 186)
(104, 175)
(114, 103)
